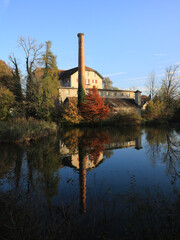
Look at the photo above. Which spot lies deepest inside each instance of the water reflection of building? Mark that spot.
(82, 158)
(71, 158)
(136, 143)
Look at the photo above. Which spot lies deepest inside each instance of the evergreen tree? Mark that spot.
(17, 90)
(81, 94)
(49, 82)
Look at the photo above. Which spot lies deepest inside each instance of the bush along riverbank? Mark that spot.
(117, 120)
(23, 130)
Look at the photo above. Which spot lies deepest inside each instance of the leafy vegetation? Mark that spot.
(164, 105)
(93, 108)
(71, 112)
(38, 96)
(22, 130)
(6, 103)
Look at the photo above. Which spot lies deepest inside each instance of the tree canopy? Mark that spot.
(93, 108)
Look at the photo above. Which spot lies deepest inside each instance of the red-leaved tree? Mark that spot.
(93, 108)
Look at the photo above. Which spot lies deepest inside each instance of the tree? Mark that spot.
(49, 59)
(6, 75)
(71, 112)
(33, 53)
(156, 110)
(170, 87)
(151, 85)
(94, 108)
(49, 81)
(6, 102)
(107, 83)
(81, 94)
(17, 90)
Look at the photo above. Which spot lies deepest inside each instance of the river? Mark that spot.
(93, 183)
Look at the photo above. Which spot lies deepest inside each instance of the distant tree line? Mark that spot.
(36, 94)
(165, 99)
(38, 97)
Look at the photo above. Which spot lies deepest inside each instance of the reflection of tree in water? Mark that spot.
(94, 140)
(43, 165)
(132, 215)
(90, 145)
(108, 153)
(93, 144)
(165, 145)
(32, 169)
(11, 158)
(71, 138)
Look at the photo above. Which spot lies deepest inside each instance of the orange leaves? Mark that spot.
(71, 112)
(93, 107)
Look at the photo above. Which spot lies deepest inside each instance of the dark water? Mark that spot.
(92, 184)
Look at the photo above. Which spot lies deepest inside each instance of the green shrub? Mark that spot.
(22, 130)
(6, 103)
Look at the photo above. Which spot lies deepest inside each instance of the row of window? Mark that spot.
(115, 94)
(87, 73)
(106, 93)
(88, 81)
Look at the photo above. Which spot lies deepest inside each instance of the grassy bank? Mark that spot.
(118, 120)
(23, 131)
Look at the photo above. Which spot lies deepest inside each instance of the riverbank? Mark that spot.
(23, 131)
(118, 120)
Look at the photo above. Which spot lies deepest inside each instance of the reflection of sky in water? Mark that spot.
(109, 175)
(125, 168)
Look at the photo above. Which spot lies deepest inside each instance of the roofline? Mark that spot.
(90, 69)
(102, 89)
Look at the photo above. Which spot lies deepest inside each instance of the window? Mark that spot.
(77, 80)
(87, 81)
(93, 81)
(67, 92)
(107, 93)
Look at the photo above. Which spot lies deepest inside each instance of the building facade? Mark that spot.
(69, 78)
(118, 100)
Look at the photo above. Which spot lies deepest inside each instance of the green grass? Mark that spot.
(22, 131)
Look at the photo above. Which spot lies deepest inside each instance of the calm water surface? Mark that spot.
(92, 184)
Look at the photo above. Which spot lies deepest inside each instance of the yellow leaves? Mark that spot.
(71, 113)
(6, 102)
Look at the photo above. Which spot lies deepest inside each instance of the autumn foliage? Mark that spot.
(94, 144)
(93, 108)
(71, 112)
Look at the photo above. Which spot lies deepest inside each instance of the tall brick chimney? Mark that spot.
(81, 61)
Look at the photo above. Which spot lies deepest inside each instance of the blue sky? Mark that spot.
(124, 40)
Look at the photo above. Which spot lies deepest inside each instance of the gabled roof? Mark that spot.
(67, 73)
